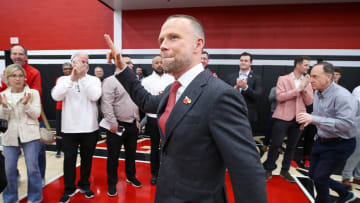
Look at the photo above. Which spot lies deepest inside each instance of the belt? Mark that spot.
(330, 140)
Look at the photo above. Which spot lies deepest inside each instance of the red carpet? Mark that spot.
(278, 189)
(143, 145)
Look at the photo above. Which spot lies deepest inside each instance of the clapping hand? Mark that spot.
(241, 83)
(26, 98)
(304, 82)
(114, 54)
(79, 70)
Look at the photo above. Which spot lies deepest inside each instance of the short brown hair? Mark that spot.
(300, 59)
(194, 22)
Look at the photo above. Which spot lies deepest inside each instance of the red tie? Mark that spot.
(171, 102)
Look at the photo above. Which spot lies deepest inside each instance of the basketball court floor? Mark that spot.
(279, 190)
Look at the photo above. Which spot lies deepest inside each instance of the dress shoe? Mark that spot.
(356, 181)
(347, 182)
(348, 198)
(286, 175)
(264, 148)
(153, 180)
(134, 182)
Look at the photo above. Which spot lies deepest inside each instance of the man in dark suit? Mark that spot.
(203, 123)
(249, 86)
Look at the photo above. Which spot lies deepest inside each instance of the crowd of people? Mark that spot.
(199, 126)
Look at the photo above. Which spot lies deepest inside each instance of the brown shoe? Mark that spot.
(286, 175)
(264, 148)
(356, 181)
(280, 150)
(347, 182)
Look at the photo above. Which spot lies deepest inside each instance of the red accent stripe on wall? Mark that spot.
(55, 24)
(311, 26)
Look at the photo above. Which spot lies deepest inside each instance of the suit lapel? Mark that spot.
(250, 80)
(163, 101)
(193, 92)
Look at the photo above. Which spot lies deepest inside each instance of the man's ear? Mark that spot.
(199, 45)
(330, 77)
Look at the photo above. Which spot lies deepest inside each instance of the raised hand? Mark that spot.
(26, 98)
(114, 54)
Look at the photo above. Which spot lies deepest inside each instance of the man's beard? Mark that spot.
(159, 72)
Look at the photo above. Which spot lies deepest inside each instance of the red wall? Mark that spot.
(316, 26)
(55, 24)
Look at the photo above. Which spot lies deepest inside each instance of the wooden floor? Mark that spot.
(278, 189)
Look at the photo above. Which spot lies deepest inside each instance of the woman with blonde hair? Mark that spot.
(20, 106)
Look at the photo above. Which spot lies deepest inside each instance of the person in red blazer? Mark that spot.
(293, 92)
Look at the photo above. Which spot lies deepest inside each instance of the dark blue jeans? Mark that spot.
(324, 160)
(42, 154)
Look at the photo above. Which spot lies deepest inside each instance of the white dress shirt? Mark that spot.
(155, 83)
(297, 80)
(187, 78)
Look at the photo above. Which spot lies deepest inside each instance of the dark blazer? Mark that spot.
(202, 139)
(251, 95)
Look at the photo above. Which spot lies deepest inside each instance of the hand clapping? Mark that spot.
(241, 83)
(304, 82)
(26, 98)
(79, 70)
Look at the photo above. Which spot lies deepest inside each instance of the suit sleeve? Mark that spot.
(253, 91)
(231, 131)
(272, 95)
(282, 94)
(107, 101)
(142, 98)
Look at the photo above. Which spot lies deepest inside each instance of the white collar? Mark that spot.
(189, 75)
(293, 74)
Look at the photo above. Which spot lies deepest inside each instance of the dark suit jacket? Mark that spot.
(251, 95)
(201, 140)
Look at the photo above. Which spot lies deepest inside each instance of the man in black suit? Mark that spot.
(203, 122)
(249, 86)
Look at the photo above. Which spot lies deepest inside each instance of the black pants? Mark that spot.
(154, 133)
(114, 143)
(282, 129)
(71, 142)
(58, 130)
(308, 134)
(3, 180)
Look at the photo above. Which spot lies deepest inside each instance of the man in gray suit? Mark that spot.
(203, 123)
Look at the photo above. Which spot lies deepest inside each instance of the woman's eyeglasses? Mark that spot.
(17, 76)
